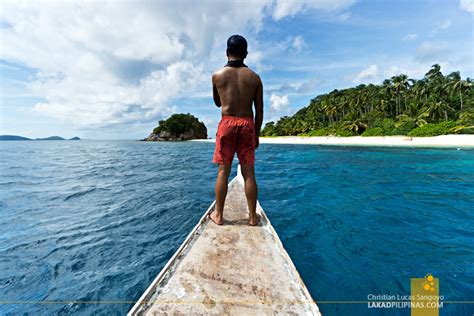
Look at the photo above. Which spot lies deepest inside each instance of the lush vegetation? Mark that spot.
(434, 105)
(178, 124)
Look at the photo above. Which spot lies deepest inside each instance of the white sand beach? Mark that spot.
(395, 141)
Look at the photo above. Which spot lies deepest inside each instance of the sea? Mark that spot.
(85, 226)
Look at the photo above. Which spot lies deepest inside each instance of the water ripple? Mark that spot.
(97, 220)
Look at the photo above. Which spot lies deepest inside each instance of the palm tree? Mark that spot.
(331, 112)
(354, 124)
(400, 83)
(343, 104)
(420, 90)
(325, 105)
(435, 80)
(434, 73)
(466, 119)
(356, 100)
(370, 94)
(438, 108)
(456, 84)
(434, 76)
(414, 115)
(405, 82)
(387, 87)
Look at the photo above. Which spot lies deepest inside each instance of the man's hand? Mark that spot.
(256, 141)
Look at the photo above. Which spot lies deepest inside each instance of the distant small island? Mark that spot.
(16, 137)
(178, 127)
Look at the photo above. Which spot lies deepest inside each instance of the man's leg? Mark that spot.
(223, 172)
(250, 191)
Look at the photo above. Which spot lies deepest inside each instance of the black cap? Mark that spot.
(237, 45)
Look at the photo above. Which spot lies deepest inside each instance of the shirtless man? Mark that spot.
(235, 87)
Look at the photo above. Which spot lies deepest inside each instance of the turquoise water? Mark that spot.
(97, 220)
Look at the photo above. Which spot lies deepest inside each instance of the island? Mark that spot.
(51, 138)
(178, 127)
(435, 105)
(13, 137)
(16, 137)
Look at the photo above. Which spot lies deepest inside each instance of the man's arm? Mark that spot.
(215, 93)
(258, 102)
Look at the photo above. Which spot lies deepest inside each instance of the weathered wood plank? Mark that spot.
(233, 269)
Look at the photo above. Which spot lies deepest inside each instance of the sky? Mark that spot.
(113, 69)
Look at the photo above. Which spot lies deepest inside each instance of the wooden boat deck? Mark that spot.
(233, 269)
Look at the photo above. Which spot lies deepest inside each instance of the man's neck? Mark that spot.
(235, 63)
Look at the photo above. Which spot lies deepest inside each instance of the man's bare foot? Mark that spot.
(253, 220)
(216, 218)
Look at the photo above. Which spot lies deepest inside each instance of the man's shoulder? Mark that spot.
(249, 73)
(224, 69)
(255, 75)
(221, 73)
(218, 72)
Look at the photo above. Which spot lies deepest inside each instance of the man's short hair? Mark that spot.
(237, 46)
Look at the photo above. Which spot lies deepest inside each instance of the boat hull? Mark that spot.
(232, 269)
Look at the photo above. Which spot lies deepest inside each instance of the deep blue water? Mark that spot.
(97, 220)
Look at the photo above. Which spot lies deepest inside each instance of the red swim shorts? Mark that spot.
(235, 134)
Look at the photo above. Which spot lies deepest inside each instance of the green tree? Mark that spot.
(400, 83)
(178, 124)
(413, 116)
(455, 85)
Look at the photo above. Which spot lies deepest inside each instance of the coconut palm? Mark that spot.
(399, 83)
(466, 119)
(414, 115)
(388, 89)
(456, 84)
(420, 90)
(438, 109)
(353, 123)
(434, 73)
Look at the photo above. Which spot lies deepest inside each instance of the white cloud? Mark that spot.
(279, 103)
(410, 37)
(467, 5)
(285, 8)
(298, 43)
(393, 71)
(107, 62)
(257, 59)
(367, 74)
(290, 45)
(418, 69)
(412, 71)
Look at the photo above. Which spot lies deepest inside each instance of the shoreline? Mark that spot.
(464, 140)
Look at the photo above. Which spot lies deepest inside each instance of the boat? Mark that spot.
(229, 269)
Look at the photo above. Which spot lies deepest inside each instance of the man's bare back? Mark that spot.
(235, 89)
